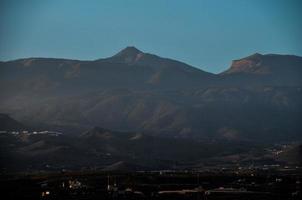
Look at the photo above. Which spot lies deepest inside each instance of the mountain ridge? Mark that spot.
(132, 51)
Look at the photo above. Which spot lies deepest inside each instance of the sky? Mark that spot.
(207, 34)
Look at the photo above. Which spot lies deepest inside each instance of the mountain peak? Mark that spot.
(250, 57)
(129, 51)
(129, 54)
(255, 55)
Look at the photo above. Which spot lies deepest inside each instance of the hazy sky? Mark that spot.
(204, 33)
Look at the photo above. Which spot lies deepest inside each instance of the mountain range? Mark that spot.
(258, 98)
(154, 113)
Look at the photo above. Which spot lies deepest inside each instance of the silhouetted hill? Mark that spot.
(9, 124)
(107, 150)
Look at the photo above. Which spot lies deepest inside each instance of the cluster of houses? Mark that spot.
(77, 189)
(185, 194)
(26, 132)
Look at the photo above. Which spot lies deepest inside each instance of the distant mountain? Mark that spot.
(266, 64)
(259, 98)
(129, 55)
(270, 69)
(168, 71)
(129, 68)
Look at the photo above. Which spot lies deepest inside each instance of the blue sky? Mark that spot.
(204, 33)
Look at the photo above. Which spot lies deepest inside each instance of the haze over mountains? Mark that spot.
(257, 98)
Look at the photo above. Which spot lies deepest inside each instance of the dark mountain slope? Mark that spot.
(234, 113)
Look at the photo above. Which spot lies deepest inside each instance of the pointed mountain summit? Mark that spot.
(133, 56)
(129, 51)
(128, 55)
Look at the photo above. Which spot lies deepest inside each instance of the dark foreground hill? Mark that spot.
(107, 150)
(9, 124)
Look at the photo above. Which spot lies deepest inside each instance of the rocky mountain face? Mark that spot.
(270, 69)
(259, 98)
(266, 64)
